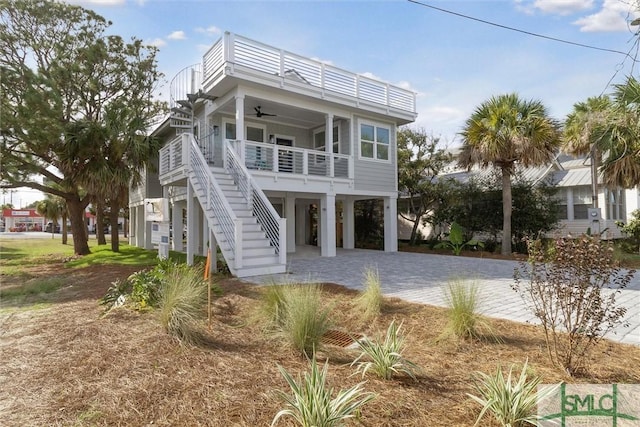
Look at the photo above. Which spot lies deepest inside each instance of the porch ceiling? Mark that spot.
(284, 114)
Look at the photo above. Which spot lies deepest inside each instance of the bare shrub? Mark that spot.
(571, 287)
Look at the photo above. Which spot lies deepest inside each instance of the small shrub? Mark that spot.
(304, 319)
(511, 401)
(310, 403)
(456, 240)
(463, 300)
(145, 287)
(565, 290)
(385, 357)
(370, 300)
(181, 301)
(118, 291)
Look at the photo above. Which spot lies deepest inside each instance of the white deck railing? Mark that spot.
(257, 56)
(261, 208)
(172, 156)
(302, 161)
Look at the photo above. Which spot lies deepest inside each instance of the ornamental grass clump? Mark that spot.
(512, 401)
(181, 302)
(370, 300)
(463, 321)
(305, 319)
(310, 403)
(271, 309)
(385, 357)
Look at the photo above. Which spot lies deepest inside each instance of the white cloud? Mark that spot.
(177, 35)
(211, 30)
(614, 16)
(156, 42)
(324, 61)
(203, 48)
(563, 7)
(371, 76)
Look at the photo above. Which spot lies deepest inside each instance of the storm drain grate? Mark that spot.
(340, 338)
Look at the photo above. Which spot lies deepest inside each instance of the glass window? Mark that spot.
(255, 134)
(374, 142)
(615, 204)
(230, 131)
(319, 140)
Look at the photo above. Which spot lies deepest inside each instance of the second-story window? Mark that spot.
(374, 141)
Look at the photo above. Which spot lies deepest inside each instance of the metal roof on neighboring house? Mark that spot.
(572, 177)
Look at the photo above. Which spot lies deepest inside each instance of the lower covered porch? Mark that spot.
(316, 224)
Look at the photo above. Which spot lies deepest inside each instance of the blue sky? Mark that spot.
(452, 63)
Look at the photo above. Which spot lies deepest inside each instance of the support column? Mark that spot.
(240, 136)
(328, 133)
(204, 227)
(348, 224)
(213, 247)
(328, 225)
(290, 215)
(390, 224)
(192, 219)
(176, 225)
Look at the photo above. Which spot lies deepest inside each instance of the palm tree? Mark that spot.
(502, 132)
(585, 132)
(621, 159)
(51, 208)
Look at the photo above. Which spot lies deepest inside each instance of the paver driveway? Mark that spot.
(421, 277)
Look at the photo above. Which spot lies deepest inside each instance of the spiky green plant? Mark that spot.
(305, 319)
(310, 403)
(385, 358)
(369, 302)
(182, 298)
(511, 401)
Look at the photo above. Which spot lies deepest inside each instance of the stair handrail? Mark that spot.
(258, 203)
(229, 224)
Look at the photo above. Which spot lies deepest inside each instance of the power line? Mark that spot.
(506, 27)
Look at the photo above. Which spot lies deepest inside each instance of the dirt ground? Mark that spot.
(65, 364)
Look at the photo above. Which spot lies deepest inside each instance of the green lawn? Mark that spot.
(18, 254)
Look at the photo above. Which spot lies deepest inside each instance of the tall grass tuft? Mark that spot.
(310, 403)
(182, 298)
(271, 310)
(511, 401)
(385, 357)
(463, 300)
(304, 318)
(370, 300)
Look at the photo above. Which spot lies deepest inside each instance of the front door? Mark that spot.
(285, 157)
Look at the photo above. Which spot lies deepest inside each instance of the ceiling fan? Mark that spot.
(259, 112)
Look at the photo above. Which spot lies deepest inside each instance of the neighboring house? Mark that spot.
(572, 176)
(266, 150)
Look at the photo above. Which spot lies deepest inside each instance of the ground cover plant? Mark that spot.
(311, 402)
(64, 363)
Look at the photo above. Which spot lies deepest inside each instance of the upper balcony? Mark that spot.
(237, 56)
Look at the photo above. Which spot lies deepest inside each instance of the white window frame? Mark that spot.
(375, 125)
(246, 126)
(336, 143)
